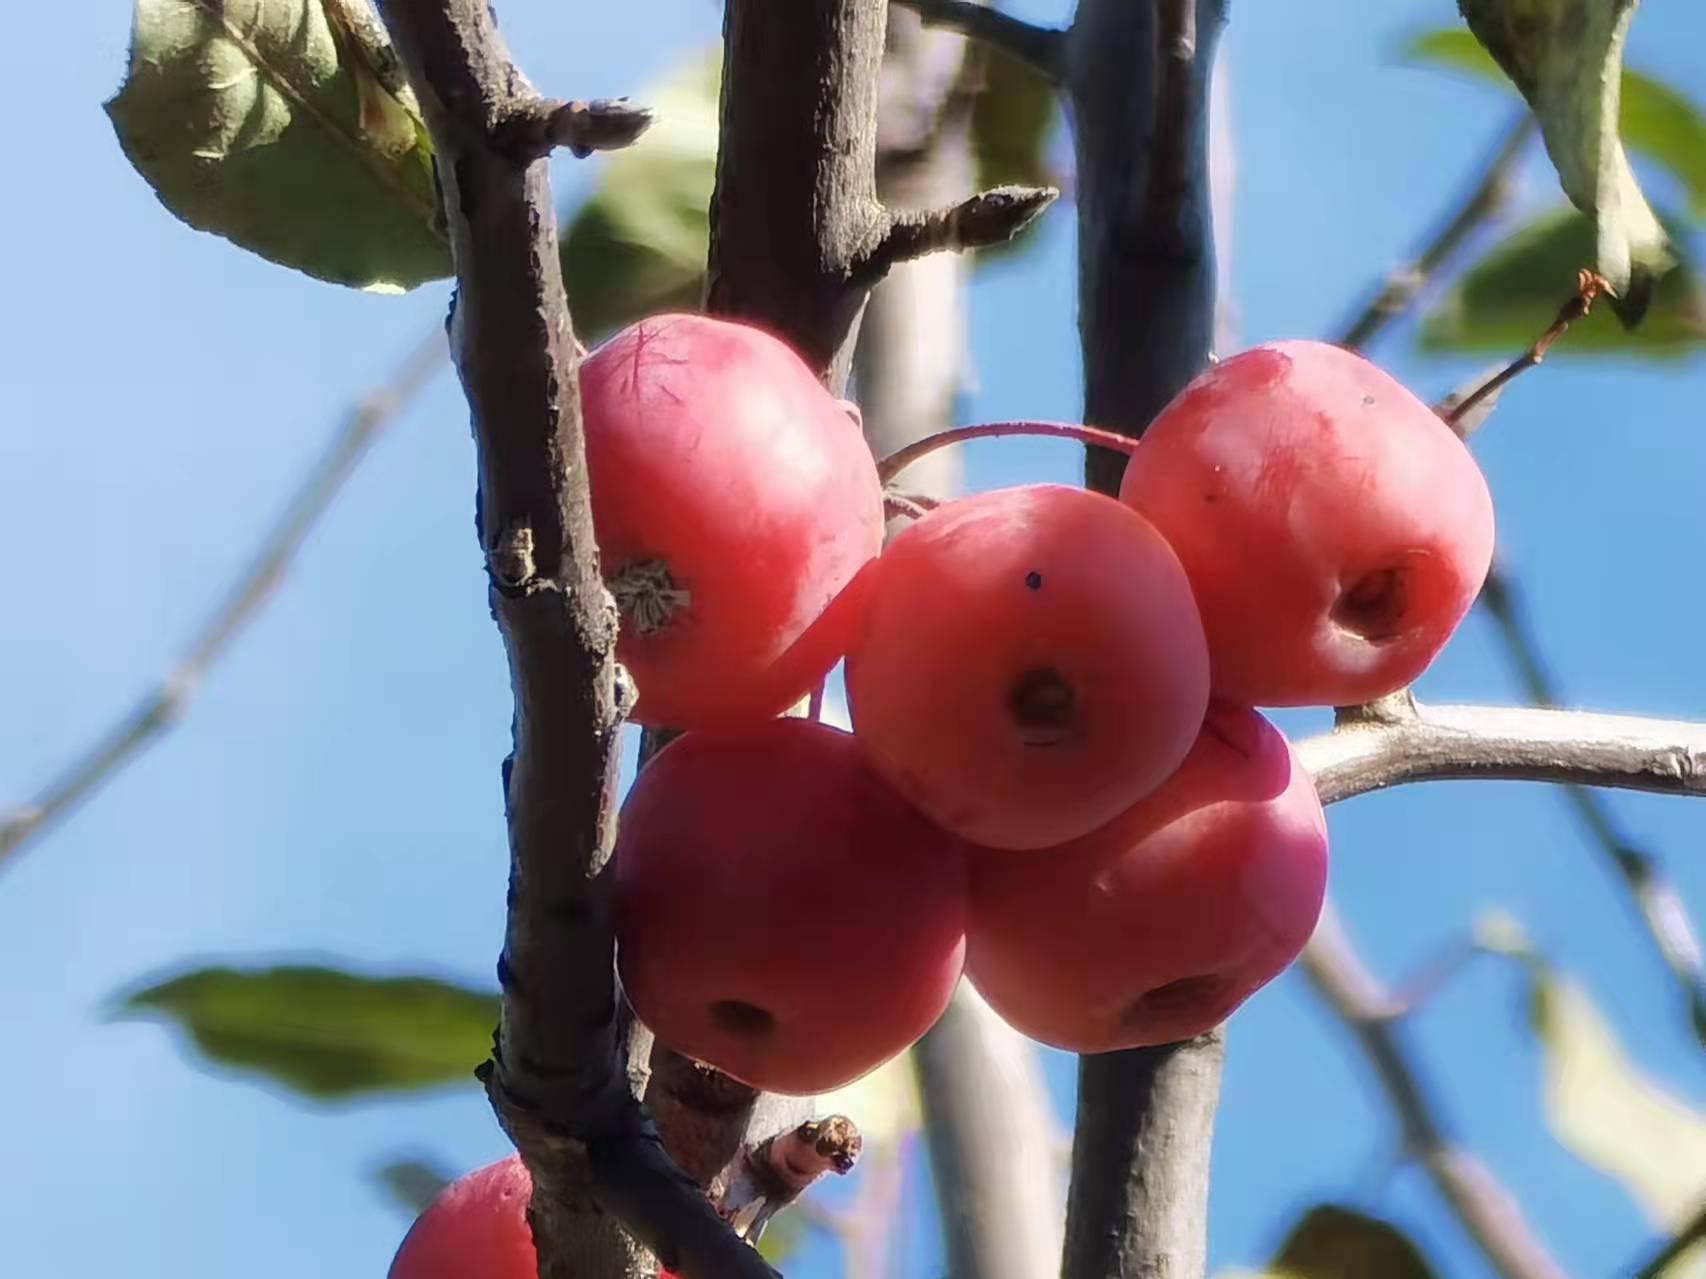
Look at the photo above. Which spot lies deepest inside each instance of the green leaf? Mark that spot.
(638, 244)
(327, 1033)
(1012, 120)
(1333, 1242)
(1508, 298)
(1013, 116)
(283, 126)
(1566, 57)
(1656, 120)
(1604, 1110)
(412, 1184)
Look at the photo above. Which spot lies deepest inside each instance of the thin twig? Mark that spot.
(1655, 897)
(1533, 744)
(1400, 290)
(253, 587)
(1588, 287)
(988, 218)
(1040, 48)
(1692, 1232)
(1486, 1208)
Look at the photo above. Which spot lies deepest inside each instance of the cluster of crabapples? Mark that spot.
(1055, 783)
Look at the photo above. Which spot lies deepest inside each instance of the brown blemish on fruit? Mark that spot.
(741, 1019)
(1188, 994)
(1044, 706)
(1375, 606)
(1034, 580)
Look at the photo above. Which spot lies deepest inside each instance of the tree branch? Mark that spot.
(557, 1077)
(1041, 48)
(1642, 875)
(1489, 193)
(1488, 1211)
(1441, 743)
(248, 594)
(990, 217)
(1138, 76)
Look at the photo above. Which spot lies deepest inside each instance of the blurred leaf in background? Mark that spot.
(325, 1033)
(1333, 1242)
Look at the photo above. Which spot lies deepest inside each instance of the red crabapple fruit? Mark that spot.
(1335, 530)
(733, 498)
(1029, 666)
(781, 914)
(1156, 927)
(476, 1229)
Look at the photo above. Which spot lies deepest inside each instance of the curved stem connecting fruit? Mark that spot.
(900, 459)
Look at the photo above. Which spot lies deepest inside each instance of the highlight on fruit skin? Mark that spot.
(734, 502)
(1334, 529)
(1030, 664)
(476, 1228)
(1158, 926)
(781, 914)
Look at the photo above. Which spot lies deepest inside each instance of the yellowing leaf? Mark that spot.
(1566, 56)
(1609, 1114)
(283, 126)
(1334, 1242)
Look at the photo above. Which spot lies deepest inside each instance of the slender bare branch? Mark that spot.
(558, 1079)
(1486, 1208)
(606, 124)
(1487, 195)
(1041, 48)
(1440, 743)
(1641, 873)
(1588, 287)
(990, 217)
(144, 723)
(1692, 1233)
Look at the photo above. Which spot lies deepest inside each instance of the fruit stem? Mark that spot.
(1588, 287)
(902, 458)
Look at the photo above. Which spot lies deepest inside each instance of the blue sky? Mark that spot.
(334, 789)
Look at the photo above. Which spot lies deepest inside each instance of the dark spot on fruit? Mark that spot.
(1034, 580)
(1375, 605)
(1368, 401)
(1044, 706)
(737, 1017)
(1188, 994)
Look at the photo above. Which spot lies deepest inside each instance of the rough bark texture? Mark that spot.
(557, 1077)
(1137, 80)
(796, 207)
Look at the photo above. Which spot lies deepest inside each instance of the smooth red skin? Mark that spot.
(951, 624)
(475, 1229)
(1282, 476)
(771, 867)
(1214, 882)
(711, 446)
